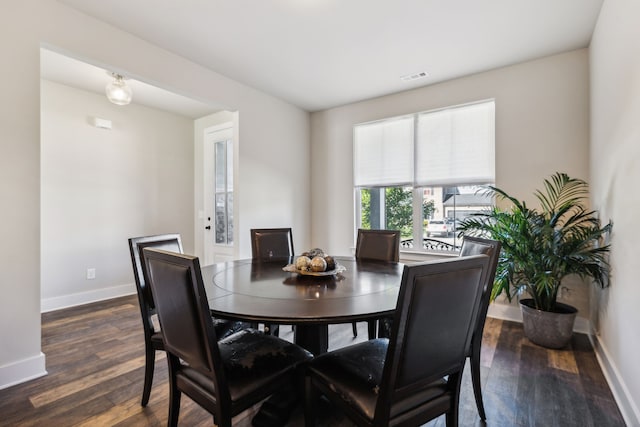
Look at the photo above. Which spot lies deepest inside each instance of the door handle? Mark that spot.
(208, 227)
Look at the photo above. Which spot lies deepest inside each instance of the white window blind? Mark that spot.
(451, 146)
(383, 153)
(456, 145)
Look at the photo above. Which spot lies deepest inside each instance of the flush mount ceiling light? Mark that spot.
(117, 91)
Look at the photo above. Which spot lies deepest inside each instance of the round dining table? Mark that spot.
(263, 292)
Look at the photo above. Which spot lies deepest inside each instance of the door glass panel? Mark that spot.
(221, 162)
(230, 218)
(224, 192)
(229, 166)
(221, 225)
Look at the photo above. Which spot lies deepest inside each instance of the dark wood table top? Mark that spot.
(263, 292)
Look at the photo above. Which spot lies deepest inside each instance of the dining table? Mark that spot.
(259, 291)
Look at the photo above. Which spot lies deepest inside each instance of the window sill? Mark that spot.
(415, 256)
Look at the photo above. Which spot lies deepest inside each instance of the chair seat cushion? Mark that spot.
(355, 373)
(252, 361)
(225, 327)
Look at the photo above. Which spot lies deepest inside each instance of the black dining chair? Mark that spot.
(225, 376)
(475, 246)
(271, 244)
(415, 375)
(378, 245)
(152, 336)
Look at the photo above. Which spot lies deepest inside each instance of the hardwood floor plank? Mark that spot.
(563, 360)
(85, 317)
(75, 408)
(502, 382)
(572, 401)
(115, 414)
(528, 385)
(490, 336)
(76, 386)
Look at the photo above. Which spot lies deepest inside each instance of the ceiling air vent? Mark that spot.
(415, 76)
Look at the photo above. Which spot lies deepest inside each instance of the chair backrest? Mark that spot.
(432, 326)
(475, 246)
(183, 311)
(381, 245)
(271, 243)
(170, 242)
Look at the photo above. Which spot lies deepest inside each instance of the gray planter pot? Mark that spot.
(545, 328)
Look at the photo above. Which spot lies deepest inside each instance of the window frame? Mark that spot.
(418, 191)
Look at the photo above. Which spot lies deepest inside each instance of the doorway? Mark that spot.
(218, 230)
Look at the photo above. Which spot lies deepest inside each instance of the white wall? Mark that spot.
(542, 126)
(20, 356)
(100, 187)
(274, 188)
(274, 154)
(615, 171)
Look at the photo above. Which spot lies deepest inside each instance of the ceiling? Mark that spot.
(71, 72)
(319, 54)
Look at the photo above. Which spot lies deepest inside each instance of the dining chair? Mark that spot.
(415, 375)
(272, 244)
(152, 336)
(224, 376)
(379, 245)
(475, 246)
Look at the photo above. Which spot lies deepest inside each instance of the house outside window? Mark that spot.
(420, 173)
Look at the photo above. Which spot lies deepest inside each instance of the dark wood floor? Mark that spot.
(95, 363)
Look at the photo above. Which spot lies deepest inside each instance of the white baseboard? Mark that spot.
(34, 367)
(65, 301)
(22, 370)
(505, 312)
(513, 313)
(628, 407)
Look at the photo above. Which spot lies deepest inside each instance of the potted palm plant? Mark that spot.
(540, 247)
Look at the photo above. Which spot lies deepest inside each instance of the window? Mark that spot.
(422, 169)
(224, 192)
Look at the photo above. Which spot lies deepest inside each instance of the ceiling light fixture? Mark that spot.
(117, 91)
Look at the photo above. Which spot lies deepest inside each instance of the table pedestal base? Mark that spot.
(314, 338)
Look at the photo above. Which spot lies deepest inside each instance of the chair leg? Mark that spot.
(149, 364)
(384, 327)
(310, 403)
(452, 414)
(272, 329)
(225, 421)
(174, 405)
(354, 327)
(372, 329)
(475, 379)
(174, 393)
